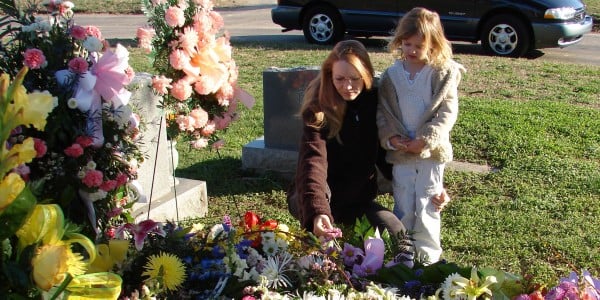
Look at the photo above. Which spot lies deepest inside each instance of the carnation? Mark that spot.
(78, 32)
(175, 17)
(92, 178)
(74, 150)
(78, 65)
(34, 58)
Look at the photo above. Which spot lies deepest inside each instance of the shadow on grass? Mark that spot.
(225, 177)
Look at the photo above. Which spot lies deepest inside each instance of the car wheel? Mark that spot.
(505, 35)
(322, 25)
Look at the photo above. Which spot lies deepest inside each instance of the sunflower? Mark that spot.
(167, 269)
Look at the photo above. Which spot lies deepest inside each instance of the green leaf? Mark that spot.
(16, 213)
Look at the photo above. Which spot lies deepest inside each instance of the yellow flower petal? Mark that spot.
(40, 105)
(50, 265)
(10, 187)
(167, 269)
(46, 222)
(18, 154)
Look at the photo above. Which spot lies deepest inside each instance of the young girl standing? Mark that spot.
(418, 105)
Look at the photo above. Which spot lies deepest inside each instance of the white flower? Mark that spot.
(91, 165)
(72, 103)
(92, 44)
(215, 232)
(275, 269)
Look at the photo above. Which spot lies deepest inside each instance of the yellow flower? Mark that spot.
(167, 269)
(40, 105)
(18, 154)
(54, 258)
(51, 263)
(45, 222)
(109, 255)
(10, 187)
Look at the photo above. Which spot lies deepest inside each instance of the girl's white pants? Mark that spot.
(415, 183)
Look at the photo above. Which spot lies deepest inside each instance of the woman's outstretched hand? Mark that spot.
(322, 226)
(441, 200)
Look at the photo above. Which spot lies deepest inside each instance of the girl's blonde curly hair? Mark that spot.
(426, 23)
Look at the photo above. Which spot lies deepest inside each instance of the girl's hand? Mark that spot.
(322, 226)
(414, 146)
(440, 201)
(399, 142)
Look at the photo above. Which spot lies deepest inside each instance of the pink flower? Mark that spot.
(74, 150)
(108, 185)
(161, 84)
(130, 73)
(145, 36)
(93, 31)
(78, 32)
(202, 87)
(141, 230)
(40, 147)
(199, 143)
(34, 58)
(179, 59)
(208, 129)
(181, 90)
(188, 39)
(186, 123)
(200, 117)
(78, 65)
(218, 144)
(217, 21)
(92, 178)
(202, 23)
(84, 141)
(174, 16)
(122, 179)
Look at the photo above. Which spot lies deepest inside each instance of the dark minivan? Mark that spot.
(504, 27)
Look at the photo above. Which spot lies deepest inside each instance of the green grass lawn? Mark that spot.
(537, 124)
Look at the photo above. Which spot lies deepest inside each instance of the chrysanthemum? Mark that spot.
(275, 269)
(167, 269)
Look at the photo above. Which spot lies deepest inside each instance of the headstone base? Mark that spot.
(257, 157)
(192, 202)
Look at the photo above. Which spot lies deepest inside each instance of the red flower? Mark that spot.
(40, 147)
(251, 219)
(74, 150)
(84, 141)
(269, 225)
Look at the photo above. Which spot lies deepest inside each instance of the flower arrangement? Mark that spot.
(264, 259)
(86, 156)
(197, 75)
(37, 245)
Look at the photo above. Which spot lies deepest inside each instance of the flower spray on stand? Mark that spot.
(197, 75)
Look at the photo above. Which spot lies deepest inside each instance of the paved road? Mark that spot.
(253, 23)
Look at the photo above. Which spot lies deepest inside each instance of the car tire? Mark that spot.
(505, 35)
(322, 25)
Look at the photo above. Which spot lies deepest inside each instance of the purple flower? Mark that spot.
(350, 254)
